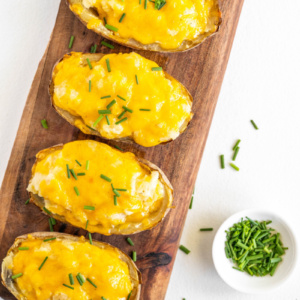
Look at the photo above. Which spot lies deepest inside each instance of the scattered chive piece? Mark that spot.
(98, 120)
(27, 201)
(90, 86)
(140, 1)
(43, 263)
(184, 249)
(254, 125)
(107, 45)
(89, 207)
(50, 225)
(87, 164)
(117, 147)
(94, 48)
(108, 65)
(68, 171)
(104, 20)
(222, 161)
(191, 203)
(44, 124)
(236, 151)
(129, 295)
(122, 114)
(121, 98)
(50, 239)
(73, 174)
(234, 166)
(23, 248)
(206, 229)
(53, 222)
(121, 190)
(122, 17)
(79, 279)
(16, 276)
(110, 27)
(105, 97)
(136, 79)
(104, 111)
(87, 223)
(105, 178)
(236, 144)
(80, 174)
(76, 190)
(71, 41)
(107, 120)
(127, 109)
(116, 193)
(145, 4)
(70, 287)
(134, 255)
(129, 241)
(90, 238)
(91, 282)
(103, 298)
(89, 63)
(145, 109)
(110, 104)
(115, 200)
(46, 210)
(90, 127)
(122, 120)
(78, 162)
(156, 69)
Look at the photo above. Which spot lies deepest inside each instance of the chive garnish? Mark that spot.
(156, 69)
(122, 114)
(87, 207)
(145, 109)
(71, 41)
(79, 279)
(127, 109)
(115, 200)
(105, 22)
(50, 225)
(16, 276)
(134, 255)
(50, 239)
(236, 144)
(46, 210)
(89, 63)
(184, 249)
(107, 120)
(103, 298)
(27, 201)
(222, 161)
(78, 162)
(90, 127)
(121, 98)
(105, 178)
(43, 263)
(122, 120)
(104, 111)
(80, 174)
(122, 17)
(73, 174)
(129, 295)
(116, 193)
(236, 151)
(90, 86)
(90, 238)
(94, 48)
(98, 120)
(121, 190)
(105, 97)
(145, 4)
(87, 165)
(68, 171)
(136, 79)
(110, 27)
(76, 190)
(87, 223)
(130, 242)
(117, 147)
(23, 248)
(191, 203)
(91, 282)
(254, 125)
(110, 104)
(206, 229)
(108, 65)
(44, 124)
(70, 287)
(107, 45)
(53, 222)
(234, 166)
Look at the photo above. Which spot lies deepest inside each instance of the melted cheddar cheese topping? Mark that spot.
(176, 22)
(102, 266)
(79, 89)
(94, 199)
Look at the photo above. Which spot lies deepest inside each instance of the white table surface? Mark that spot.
(261, 83)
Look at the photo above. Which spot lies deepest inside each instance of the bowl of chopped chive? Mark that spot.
(255, 251)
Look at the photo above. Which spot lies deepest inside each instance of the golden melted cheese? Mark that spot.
(169, 103)
(176, 22)
(101, 265)
(145, 192)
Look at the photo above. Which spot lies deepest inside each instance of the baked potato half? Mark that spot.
(121, 97)
(59, 266)
(98, 188)
(158, 25)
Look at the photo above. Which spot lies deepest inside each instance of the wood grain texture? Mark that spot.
(201, 70)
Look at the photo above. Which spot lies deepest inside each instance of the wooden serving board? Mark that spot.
(201, 70)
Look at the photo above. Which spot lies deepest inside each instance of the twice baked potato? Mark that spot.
(158, 25)
(58, 266)
(96, 187)
(120, 96)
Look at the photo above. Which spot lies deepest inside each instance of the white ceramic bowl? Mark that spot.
(242, 281)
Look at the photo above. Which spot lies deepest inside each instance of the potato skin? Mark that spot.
(10, 284)
(71, 118)
(103, 31)
(39, 201)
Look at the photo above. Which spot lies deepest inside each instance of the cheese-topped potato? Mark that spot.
(59, 266)
(158, 25)
(120, 96)
(93, 186)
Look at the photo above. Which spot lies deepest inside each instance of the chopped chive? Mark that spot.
(122, 114)
(27, 201)
(103, 298)
(191, 203)
(87, 223)
(129, 295)
(136, 79)
(236, 151)
(236, 144)
(70, 287)
(122, 17)
(79, 279)
(90, 238)
(44, 124)
(105, 97)
(98, 120)
(16, 276)
(140, 1)
(107, 45)
(80, 174)
(78, 162)
(43, 263)
(53, 222)
(46, 210)
(50, 225)
(222, 161)
(116, 193)
(121, 98)
(71, 41)
(105, 22)
(127, 109)
(234, 166)
(87, 207)
(104, 111)
(115, 200)
(50, 239)
(110, 104)
(145, 109)
(94, 48)
(134, 255)
(76, 190)
(108, 65)
(117, 147)
(23, 248)
(73, 174)
(121, 190)
(90, 127)
(89, 63)
(206, 229)
(254, 125)
(156, 69)
(110, 27)
(145, 4)
(107, 120)
(87, 165)
(129, 241)
(122, 120)
(68, 171)
(91, 282)
(90, 86)
(105, 178)
(184, 249)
